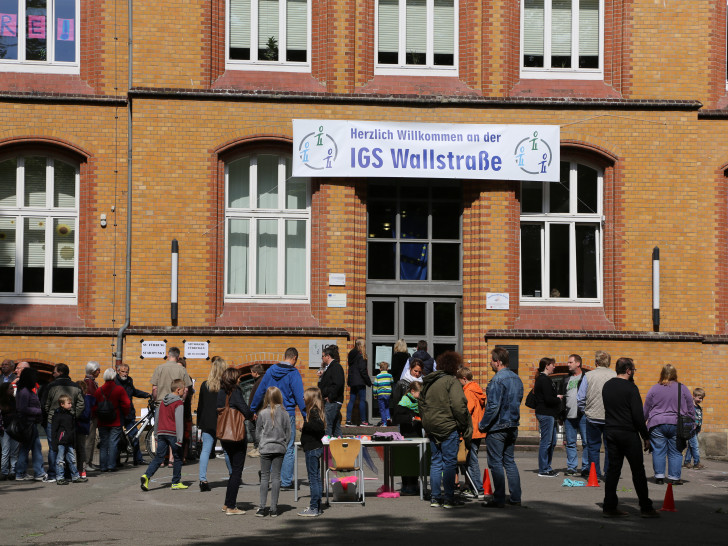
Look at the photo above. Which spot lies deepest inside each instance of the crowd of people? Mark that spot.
(423, 396)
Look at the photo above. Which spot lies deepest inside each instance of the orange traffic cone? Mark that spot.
(668, 505)
(593, 481)
(487, 489)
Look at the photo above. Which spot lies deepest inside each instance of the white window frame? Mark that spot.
(573, 73)
(281, 214)
(49, 66)
(267, 66)
(428, 69)
(49, 212)
(572, 219)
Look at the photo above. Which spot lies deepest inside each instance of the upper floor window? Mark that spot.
(268, 217)
(38, 229)
(417, 34)
(562, 38)
(39, 35)
(561, 243)
(268, 34)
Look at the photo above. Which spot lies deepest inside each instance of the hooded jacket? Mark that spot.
(170, 417)
(444, 408)
(476, 405)
(273, 429)
(288, 379)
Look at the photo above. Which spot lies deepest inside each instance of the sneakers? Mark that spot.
(453, 503)
(45, 478)
(234, 512)
(254, 453)
(688, 465)
(365, 424)
(180, 485)
(677, 482)
(649, 514)
(80, 479)
(614, 513)
(145, 482)
(61, 481)
(549, 474)
(309, 513)
(698, 466)
(469, 494)
(660, 481)
(23, 478)
(82, 474)
(273, 512)
(261, 512)
(435, 503)
(204, 486)
(570, 472)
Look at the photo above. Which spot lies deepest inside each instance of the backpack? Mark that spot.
(105, 411)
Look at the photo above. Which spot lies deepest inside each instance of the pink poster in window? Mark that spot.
(8, 24)
(36, 26)
(65, 30)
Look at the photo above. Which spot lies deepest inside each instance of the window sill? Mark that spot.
(408, 71)
(560, 302)
(38, 300)
(268, 300)
(37, 68)
(268, 67)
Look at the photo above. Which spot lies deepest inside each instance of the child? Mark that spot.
(476, 406)
(170, 432)
(311, 434)
(693, 450)
(406, 414)
(63, 437)
(383, 391)
(83, 425)
(273, 427)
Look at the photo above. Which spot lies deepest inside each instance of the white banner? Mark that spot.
(425, 150)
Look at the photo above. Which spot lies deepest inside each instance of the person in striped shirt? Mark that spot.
(383, 391)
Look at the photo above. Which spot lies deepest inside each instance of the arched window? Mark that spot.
(268, 220)
(38, 229)
(561, 237)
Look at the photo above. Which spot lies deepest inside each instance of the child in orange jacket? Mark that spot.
(476, 406)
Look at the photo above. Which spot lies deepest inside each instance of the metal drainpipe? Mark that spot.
(127, 306)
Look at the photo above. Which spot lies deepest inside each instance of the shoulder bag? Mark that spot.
(230, 423)
(685, 423)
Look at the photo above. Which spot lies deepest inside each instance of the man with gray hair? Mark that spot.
(92, 372)
(6, 371)
(589, 400)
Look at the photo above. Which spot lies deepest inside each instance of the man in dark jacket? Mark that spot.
(61, 384)
(127, 383)
(358, 382)
(445, 418)
(332, 389)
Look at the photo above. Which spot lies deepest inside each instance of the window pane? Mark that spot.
(240, 29)
(34, 254)
(65, 27)
(382, 191)
(532, 197)
(587, 184)
(295, 189)
(381, 261)
(413, 262)
(382, 220)
(64, 252)
(444, 318)
(238, 248)
(64, 185)
(268, 181)
(531, 260)
(559, 261)
(388, 32)
(559, 191)
(9, 36)
(445, 262)
(416, 34)
(439, 348)
(413, 220)
(35, 182)
(588, 33)
(446, 221)
(415, 318)
(267, 254)
(444, 32)
(295, 257)
(383, 318)
(8, 182)
(7, 254)
(35, 19)
(533, 29)
(297, 24)
(239, 183)
(561, 34)
(586, 261)
(268, 30)
(446, 192)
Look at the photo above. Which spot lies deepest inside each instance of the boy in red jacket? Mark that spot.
(170, 432)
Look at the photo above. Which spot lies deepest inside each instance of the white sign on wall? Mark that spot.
(316, 349)
(337, 279)
(154, 349)
(335, 300)
(197, 349)
(427, 150)
(497, 300)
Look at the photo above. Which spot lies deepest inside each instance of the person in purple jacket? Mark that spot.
(660, 410)
(27, 408)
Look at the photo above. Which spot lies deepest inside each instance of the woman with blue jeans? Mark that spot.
(27, 408)
(548, 407)
(207, 418)
(660, 410)
(358, 382)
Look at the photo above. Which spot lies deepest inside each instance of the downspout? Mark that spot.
(127, 305)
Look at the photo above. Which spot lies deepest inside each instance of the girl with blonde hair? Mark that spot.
(207, 418)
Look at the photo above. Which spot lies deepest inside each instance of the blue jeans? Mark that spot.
(109, 437)
(692, 453)
(383, 402)
(443, 466)
(548, 429)
(313, 467)
(500, 445)
(51, 453)
(571, 428)
(208, 441)
(473, 466)
(9, 455)
(333, 418)
(287, 470)
(32, 445)
(594, 433)
(165, 442)
(664, 444)
(354, 393)
(66, 454)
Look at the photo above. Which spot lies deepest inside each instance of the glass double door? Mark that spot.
(436, 320)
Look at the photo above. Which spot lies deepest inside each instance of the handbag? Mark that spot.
(19, 430)
(685, 423)
(230, 423)
(531, 400)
